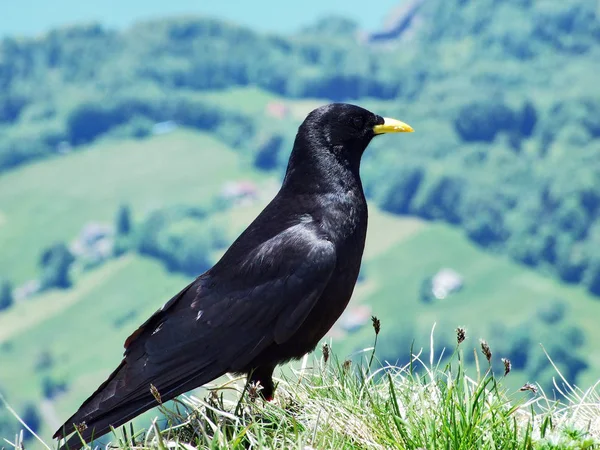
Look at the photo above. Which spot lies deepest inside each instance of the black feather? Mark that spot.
(272, 296)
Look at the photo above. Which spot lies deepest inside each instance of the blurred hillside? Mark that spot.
(129, 160)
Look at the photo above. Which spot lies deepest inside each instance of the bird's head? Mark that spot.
(330, 142)
(348, 128)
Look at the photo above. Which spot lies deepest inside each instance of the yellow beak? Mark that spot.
(392, 126)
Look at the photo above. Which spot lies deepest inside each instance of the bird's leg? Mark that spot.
(264, 376)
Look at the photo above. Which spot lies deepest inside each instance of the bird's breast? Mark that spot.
(344, 219)
(345, 224)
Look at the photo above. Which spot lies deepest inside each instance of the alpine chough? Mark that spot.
(271, 297)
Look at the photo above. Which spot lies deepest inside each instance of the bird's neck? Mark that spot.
(315, 169)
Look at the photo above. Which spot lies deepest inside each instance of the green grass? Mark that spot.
(326, 404)
(51, 200)
(496, 290)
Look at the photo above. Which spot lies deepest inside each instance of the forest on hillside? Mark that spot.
(502, 95)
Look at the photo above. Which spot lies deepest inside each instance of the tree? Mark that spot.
(481, 121)
(527, 119)
(398, 194)
(89, 120)
(51, 387)
(592, 276)
(185, 246)
(441, 197)
(32, 418)
(56, 262)
(123, 228)
(571, 258)
(123, 221)
(11, 107)
(6, 295)
(552, 312)
(483, 217)
(268, 152)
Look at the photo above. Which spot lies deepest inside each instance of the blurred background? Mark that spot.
(137, 139)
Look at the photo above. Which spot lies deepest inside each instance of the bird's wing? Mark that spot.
(217, 324)
(263, 298)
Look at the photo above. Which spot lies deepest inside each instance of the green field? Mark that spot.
(52, 200)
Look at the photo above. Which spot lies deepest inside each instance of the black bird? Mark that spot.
(273, 295)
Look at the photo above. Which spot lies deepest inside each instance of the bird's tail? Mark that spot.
(123, 396)
(110, 406)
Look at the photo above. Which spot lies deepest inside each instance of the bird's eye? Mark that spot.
(357, 122)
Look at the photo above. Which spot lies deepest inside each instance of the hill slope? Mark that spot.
(107, 303)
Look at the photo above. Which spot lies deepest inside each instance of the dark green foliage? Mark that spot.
(52, 387)
(8, 424)
(133, 115)
(591, 119)
(55, 263)
(267, 156)
(123, 221)
(562, 342)
(89, 120)
(18, 150)
(483, 217)
(31, 417)
(185, 246)
(425, 294)
(182, 238)
(440, 197)
(44, 361)
(123, 231)
(520, 346)
(572, 259)
(527, 119)
(398, 195)
(6, 294)
(125, 81)
(137, 127)
(11, 107)
(559, 23)
(592, 275)
(482, 121)
(553, 312)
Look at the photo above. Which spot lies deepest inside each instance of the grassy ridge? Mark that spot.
(327, 404)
